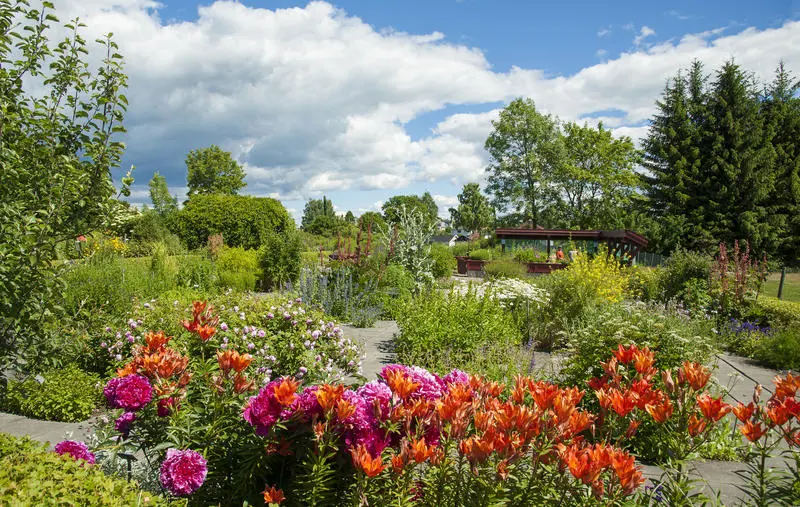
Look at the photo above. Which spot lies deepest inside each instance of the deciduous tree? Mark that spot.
(474, 212)
(213, 170)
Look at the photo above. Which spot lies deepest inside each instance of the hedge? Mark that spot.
(243, 221)
(30, 475)
(778, 312)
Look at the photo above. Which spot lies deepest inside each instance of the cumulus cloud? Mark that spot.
(315, 100)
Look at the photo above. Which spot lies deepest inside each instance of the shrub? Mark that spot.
(32, 475)
(68, 395)
(444, 263)
(196, 271)
(645, 283)
(407, 244)
(529, 255)
(505, 268)
(442, 331)
(671, 335)
(481, 254)
(279, 260)
(242, 220)
(237, 268)
(780, 349)
(681, 267)
(776, 312)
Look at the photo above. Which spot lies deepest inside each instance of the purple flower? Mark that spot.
(103, 345)
(378, 395)
(223, 327)
(76, 450)
(183, 472)
(124, 422)
(307, 404)
(131, 393)
(270, 315)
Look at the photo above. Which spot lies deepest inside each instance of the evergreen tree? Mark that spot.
(782, 114)
(163, 203)
(315, 208)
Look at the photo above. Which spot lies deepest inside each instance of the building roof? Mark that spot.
(621, 235)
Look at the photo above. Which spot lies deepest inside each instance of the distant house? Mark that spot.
(450, 239)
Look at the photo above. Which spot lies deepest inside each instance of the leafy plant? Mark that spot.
(69, 395)
(31, 475)
(444, 263)
(338, 293)
(408, 243)
(196, 271)
(237, 268)
(279, 260)
(481, 254)
(680, 268)
(505, 268)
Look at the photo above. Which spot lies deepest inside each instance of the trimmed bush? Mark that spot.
(238, 268)
(31, 475)
(242, 220)
(777, 312)
(481, 254)
(505, 268)
(444, 262)
(68, 395)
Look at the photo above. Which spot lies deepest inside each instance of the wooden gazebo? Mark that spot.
(623, 243)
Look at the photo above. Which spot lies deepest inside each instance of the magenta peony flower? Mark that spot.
(263, 410)
(109, 391)
(430, 385)
(124, 422)
(183, 472)
(377, 394)
(456, 377)
(390, 367)
(77, 450)
(166, 406)
(132, 392)
(307, 404)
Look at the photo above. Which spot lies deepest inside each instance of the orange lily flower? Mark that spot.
(344, 409)
(625, 354)
(660, 412)
(273, 495)
(624, 465)
(744, 412)
(156, 341)
(643, 360)
(420, 451)
(786, 386)
(695, 374)
(623, 403)
(286, 392)
(753, 431)
(696, 425)
(712, 408)
(329, 395)
(206, 332)
(401, 384)
(364, 461)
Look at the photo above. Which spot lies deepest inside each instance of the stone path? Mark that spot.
(43, 431)
(378, 345)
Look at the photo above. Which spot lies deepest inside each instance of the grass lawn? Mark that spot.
(791, 287)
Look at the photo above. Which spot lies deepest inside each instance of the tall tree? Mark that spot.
(349, 217)
(372, 218)
(163, 203)
(430, 204)
(782, 113)
(213, 170)
(597, 182)
(474, 212)
(392, 207)
(315, 208)
(525, 152)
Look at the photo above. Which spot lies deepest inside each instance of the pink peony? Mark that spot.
(456, 377)
(131, 392)
(183, 472)
(77, 450)
(378, 395)
(166, 406)
(124, 422)
(307, 404)
(430, 385)
(263, 410)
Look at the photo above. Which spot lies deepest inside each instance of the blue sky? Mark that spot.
(365, 99)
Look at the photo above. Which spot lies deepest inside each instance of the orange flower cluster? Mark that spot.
(203, 322)
(230, 360)
(588, 462)
(165, 368)
(273, 495)
(780, 413)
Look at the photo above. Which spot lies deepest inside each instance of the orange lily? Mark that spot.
(273, 495)
(364, 461)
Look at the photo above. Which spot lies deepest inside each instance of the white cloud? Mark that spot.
(603, 32)
(315, 100)
(644, 33)
(601, 53)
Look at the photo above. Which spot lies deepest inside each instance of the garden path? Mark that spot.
(43, 431)
(378, 344)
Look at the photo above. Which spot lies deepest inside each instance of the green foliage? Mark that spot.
(317, 208)
(474, 213)
(338, 292)
(393, 208)
(149, 228)
(598, 182)
(213, 171)
(712, 155)
(397, 287)
(242, 220)
(481, 254)
(238, 268)
(59, 125)
(776, 312)
(526, 151)
(163, 203)
(529, 255)
(68, 395)
(681, 268)
(505, 268)
(374, 218)
(779, 349)
(196, 271)
(30, 475)
(409, 244)
(444, 263)
(445, 331)
(279, 259)
(669, 334)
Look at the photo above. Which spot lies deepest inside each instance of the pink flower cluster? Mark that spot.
(131, 392)
(77, 450)
(372, 402)
(183, 472)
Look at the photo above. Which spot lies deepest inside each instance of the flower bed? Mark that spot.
(410, 434)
